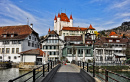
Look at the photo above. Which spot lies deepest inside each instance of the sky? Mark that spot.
(101, 14)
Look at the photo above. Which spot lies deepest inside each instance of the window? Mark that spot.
(50, 47)
(78, 51)
(110, 40)
(13, 50)
(50, 53)
(32, 44)
(35, 45)
(29, 37)
(35, 39)
(117, 40)
(4, 36)
(46, 47)
(15, 57)
(3, 50)
(7, 50)
(14, 42)
(12, 35)
(9, 57)
(54, 47)
(54, 53)
(17, 50)
(19, 42)
(28, 43)
(88, 51)
(0, 57)
(0, 50)
(5, 42)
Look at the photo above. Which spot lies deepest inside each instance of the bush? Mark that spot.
(128, 61)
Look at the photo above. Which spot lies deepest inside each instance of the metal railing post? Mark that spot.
(51, 64)
(80, 63)
(93, 70)
(87, 67)
(83, 65)
(43, 70)
(33, 75)
(106, 76)
(48, 67)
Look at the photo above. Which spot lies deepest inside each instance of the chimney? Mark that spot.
(83, 37)
(31, 25)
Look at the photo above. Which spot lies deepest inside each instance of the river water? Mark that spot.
(7, 74)
(11, 73)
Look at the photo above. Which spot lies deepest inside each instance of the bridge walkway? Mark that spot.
(68, 73)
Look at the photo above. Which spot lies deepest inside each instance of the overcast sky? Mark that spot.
(102, 14)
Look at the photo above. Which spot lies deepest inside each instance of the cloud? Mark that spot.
(14, 15)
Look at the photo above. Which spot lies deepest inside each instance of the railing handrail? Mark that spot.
(34, 73)
(106, 72)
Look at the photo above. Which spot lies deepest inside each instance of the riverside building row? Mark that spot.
(65, 41)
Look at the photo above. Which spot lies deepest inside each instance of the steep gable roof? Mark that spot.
(37, 51)
(112, 34)
(91, 28)
(22, 31)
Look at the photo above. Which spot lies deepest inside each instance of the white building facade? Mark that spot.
(53, 45)
(61, 21)
(15, 39)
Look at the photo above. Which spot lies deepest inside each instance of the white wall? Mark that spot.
(29, 58)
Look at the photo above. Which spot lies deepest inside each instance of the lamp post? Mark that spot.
(93, 36)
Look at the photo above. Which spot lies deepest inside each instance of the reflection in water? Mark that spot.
(120, 79)
(7, 74)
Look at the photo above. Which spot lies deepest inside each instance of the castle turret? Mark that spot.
(71, 21)
(58, 23)
(55, 24)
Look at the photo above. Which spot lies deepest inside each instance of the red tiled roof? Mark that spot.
(58, 14)
(112, 34)
(55, 18)
(90, 27)
(63, 17)
(22, 31)
(37, 51)
(73, 38)
(52, 32)
(74, 28)
(71, 16)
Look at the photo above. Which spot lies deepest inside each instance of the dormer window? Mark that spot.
(4, 36)
(12, 35)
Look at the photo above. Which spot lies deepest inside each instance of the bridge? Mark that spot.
(78, 72)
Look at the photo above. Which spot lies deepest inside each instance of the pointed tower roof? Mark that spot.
(112, 34)
(58, 14)
(71, 17)
(49, 30)
(55, 18)
(90, 27)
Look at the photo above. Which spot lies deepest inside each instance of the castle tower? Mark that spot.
(71, 21)
(62, 21)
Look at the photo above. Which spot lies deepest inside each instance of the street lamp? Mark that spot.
(93, 36)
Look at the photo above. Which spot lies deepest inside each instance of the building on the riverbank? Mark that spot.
(15, 39)
(110, 49)
(33, 56)
(78, 48)
(52, 45)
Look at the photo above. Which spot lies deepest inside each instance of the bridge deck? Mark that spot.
(68, 73)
